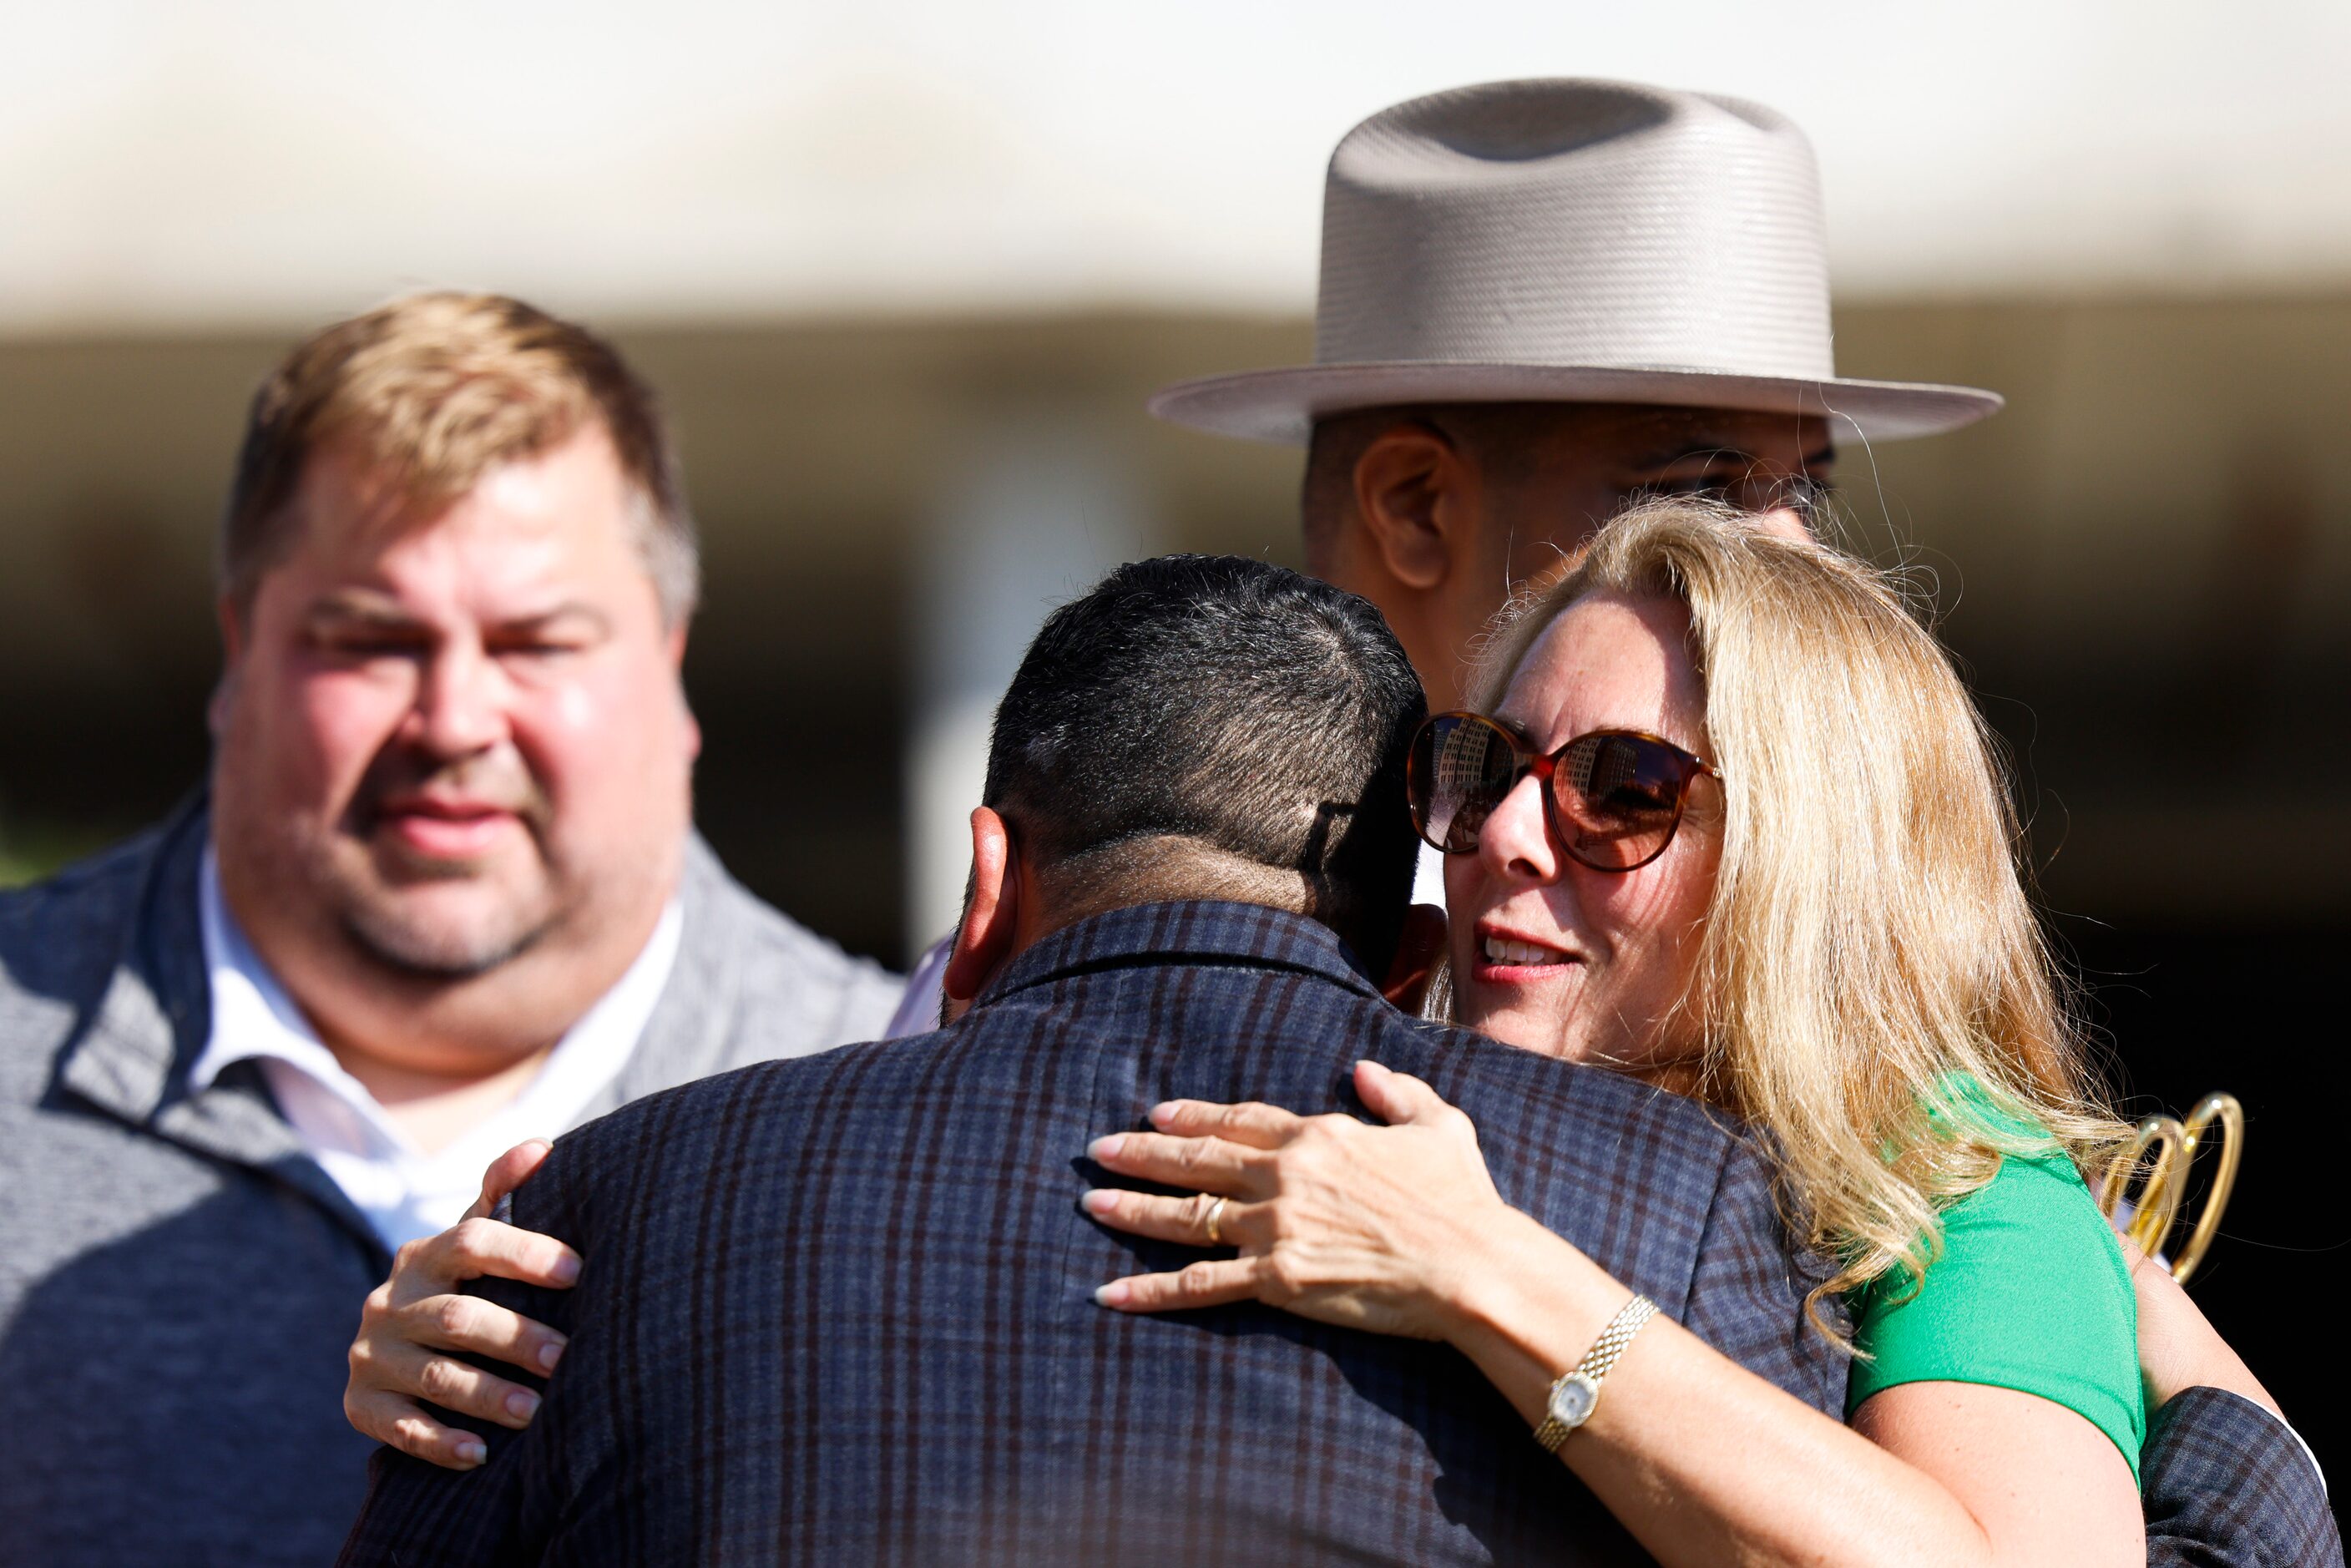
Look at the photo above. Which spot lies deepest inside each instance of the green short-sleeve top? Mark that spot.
(2031, 1292)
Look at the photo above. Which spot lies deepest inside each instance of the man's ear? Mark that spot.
(1418, 495)
(232, 630)
(991, 915)
(673, 647)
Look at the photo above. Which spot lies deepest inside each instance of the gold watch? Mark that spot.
(1577, 1394)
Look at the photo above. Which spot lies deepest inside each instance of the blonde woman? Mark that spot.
(1726, 819)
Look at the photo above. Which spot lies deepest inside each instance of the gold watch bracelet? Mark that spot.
(1590, 1371)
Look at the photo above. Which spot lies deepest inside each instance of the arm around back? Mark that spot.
(1703, 1459)
(420, 1514)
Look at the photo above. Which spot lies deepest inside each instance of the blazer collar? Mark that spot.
(1189, 932)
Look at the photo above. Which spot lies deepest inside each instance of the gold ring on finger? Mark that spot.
(1216, 1215)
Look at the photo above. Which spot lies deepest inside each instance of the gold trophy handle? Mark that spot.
(2157, 1204)
(2224, 1109)
(2176, 1145)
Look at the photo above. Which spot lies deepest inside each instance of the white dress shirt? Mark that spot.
(405, 1192)
(1428, 875)
(924, 1001)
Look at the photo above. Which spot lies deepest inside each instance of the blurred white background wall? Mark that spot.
(166, 162)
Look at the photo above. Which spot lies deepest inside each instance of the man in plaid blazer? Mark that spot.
(840, 1308)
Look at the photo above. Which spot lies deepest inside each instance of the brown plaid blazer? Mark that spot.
(838, 1309)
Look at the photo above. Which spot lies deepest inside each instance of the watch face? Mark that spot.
(1572, 1399)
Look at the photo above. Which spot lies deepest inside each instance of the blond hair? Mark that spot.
(1869, 947)
(431, 392)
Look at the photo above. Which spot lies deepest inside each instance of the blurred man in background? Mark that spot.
(443, 894)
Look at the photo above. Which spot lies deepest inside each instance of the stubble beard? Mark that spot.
(382, 901)
(388, 921)
(434, 950)
(331, 877)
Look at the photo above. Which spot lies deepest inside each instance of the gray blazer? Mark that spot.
(179, 1281)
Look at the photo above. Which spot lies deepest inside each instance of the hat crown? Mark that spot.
(1525, 223)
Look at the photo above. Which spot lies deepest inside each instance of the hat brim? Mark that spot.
(1281, 406)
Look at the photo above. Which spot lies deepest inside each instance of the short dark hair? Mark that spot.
(1228, 703)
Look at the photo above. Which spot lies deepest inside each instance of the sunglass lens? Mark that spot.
(1461, 770)
(1619, 797)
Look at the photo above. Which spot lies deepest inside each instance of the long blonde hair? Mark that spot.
(1869, 946)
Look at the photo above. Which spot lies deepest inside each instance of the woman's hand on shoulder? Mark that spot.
(418, 1321)
(1379, 1227)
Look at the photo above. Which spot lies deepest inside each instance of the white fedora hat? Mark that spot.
(1566, 241)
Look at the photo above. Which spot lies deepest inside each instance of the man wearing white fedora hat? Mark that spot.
(1539, 301)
